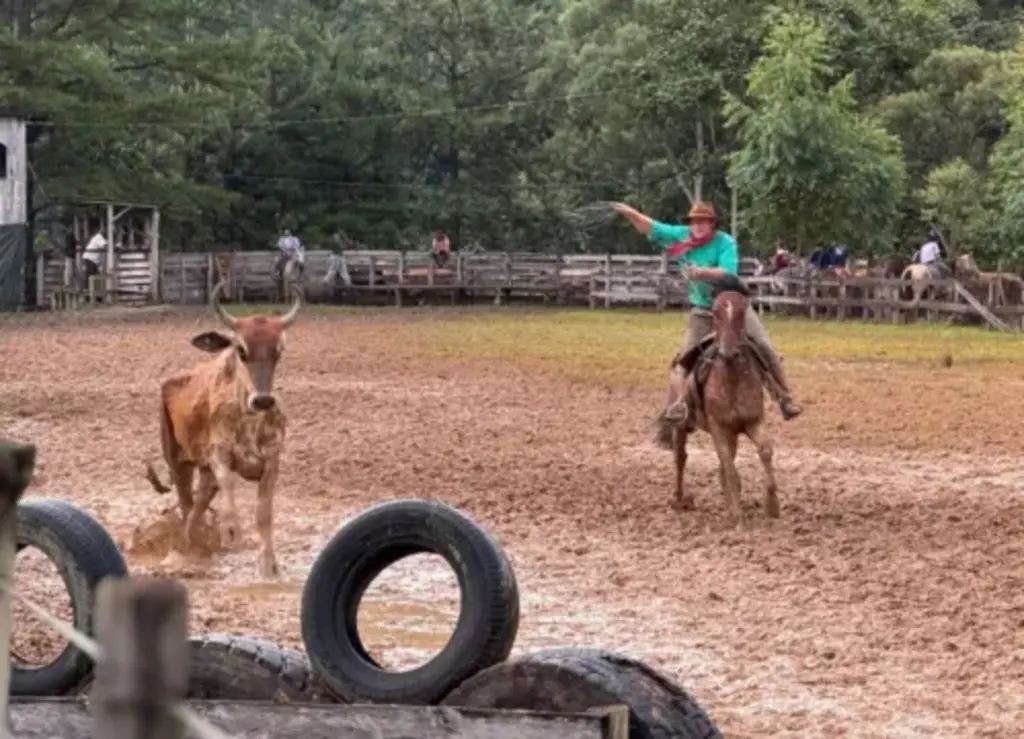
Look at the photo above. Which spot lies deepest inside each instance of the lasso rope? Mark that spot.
(593, 215)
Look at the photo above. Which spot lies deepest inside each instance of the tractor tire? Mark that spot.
(577, 680)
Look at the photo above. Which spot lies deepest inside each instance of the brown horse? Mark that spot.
(726, 395)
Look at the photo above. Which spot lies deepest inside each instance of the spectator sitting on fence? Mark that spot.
(830, 257)
(290, 248)
(94, 257)
(441, 247)
(781, 259)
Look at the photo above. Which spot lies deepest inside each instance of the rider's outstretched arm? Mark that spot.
(662, 234)
(640, 222)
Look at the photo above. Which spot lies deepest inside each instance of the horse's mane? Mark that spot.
(728, 284)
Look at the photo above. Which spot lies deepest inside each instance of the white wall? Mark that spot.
(13, 181)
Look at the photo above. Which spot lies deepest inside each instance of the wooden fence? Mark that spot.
(596, 280)
(142, 674)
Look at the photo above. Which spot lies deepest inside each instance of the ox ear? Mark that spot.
(211, 341)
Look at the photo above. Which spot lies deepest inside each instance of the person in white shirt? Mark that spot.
(94, 256)
(290, 248)
(930, 252)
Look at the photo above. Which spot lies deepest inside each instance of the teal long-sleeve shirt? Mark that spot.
(721, 253)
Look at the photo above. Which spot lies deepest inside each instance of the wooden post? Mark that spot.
(16, 464)
(142, 626)
(40, 279)
(109, 272)
(401, 279)
(663, 282)
(210, 267)
(184, 278)
(607, 280)
(154, 255)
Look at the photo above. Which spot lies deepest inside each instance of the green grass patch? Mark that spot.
(637, 345)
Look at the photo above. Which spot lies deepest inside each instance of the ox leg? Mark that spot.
(725, 446)
(267, 564)
(183, 484)
(683, 501)
(226, 481)
(766, 452)
(204, 495)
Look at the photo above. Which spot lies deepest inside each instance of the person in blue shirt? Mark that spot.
(706, 252)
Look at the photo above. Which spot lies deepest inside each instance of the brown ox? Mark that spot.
(221, 419)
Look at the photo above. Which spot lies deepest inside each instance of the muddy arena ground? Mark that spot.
(887, 601)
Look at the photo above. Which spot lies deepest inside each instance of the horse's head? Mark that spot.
(729, 307)
(966, 265)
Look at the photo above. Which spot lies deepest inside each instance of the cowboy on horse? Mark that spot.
(704, 253)
(290, 251)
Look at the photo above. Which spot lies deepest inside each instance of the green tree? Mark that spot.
(953, 199)
(810, 169)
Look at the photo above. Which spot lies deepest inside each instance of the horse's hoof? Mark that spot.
(771, 508)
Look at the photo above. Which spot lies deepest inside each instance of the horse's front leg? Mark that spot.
(683, 501)
(766, 451)
(725, 441)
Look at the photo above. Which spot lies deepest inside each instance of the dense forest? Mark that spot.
(819, 121)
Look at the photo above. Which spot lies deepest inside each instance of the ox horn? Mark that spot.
(289, 318)
(229, 320)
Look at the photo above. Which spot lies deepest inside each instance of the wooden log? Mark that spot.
(67, 719)
(143, 629)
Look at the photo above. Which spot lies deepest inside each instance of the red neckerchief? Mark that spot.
(691, 242)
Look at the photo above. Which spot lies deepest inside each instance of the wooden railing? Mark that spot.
(597, 280)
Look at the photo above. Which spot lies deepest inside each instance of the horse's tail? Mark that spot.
(663, 432)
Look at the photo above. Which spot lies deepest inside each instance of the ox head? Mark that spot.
(729, 307)
(257, 341)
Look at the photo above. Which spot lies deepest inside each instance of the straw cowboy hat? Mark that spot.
(700, 211)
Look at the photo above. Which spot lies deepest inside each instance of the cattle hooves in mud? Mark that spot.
(85, 554)
(577, 680)
(358, 553)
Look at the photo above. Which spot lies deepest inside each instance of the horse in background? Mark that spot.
(725, 393)
(291, 277)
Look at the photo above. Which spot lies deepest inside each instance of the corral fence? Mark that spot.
(594, 280)
(142, 674)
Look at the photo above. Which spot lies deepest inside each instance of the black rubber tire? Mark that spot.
(576, 680)
(238, 668)
(223, 667)
(365, 546)
(84, 553)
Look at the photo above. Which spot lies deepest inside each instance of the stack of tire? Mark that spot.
(473, 669)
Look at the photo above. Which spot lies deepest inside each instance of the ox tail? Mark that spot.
(154, 480)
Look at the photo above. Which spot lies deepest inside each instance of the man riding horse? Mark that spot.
(290, 252)
(705, 253)
(933, 255)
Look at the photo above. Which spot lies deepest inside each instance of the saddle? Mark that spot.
(697, 363)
